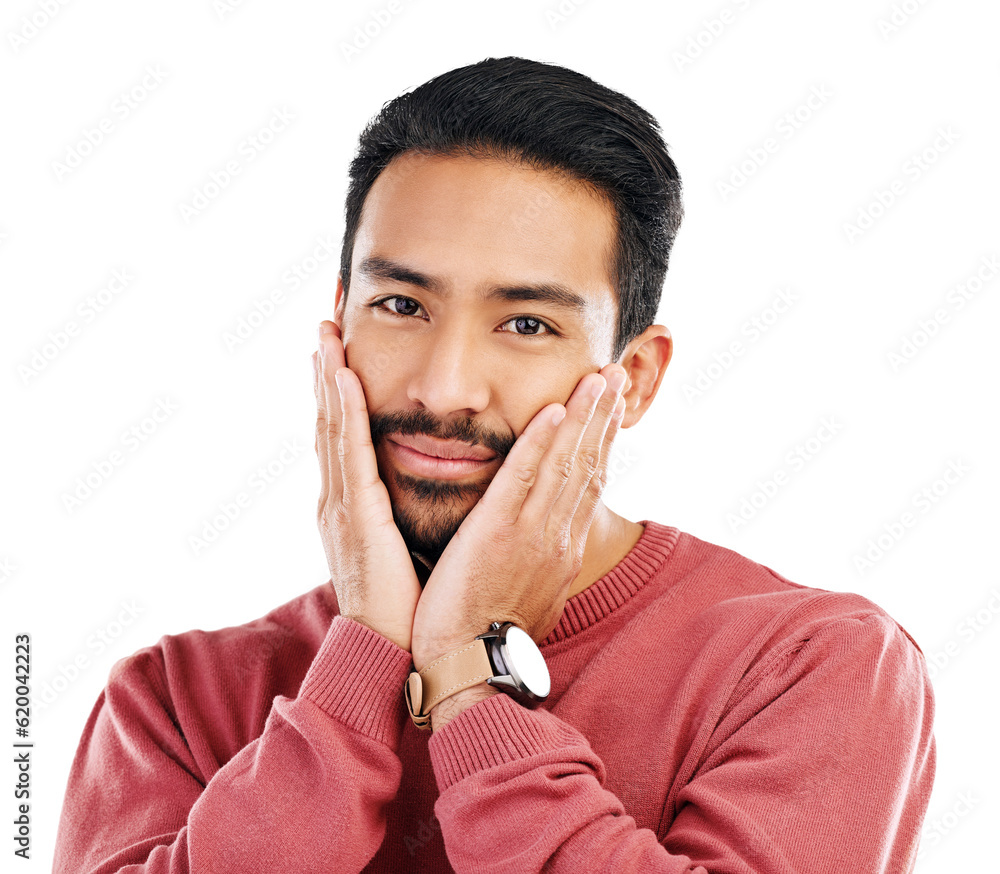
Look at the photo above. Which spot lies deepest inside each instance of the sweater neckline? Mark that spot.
(601, 598)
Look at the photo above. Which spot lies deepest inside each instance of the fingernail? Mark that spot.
(324, 329)
(616, 380)
(597, 389)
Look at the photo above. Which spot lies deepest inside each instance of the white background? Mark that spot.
(889, 82)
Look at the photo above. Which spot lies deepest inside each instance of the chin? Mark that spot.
(427, 532)
(427, 524)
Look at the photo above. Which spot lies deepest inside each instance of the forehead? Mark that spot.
(474, 222)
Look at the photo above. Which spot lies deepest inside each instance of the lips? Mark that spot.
(447, 449)
(453, 460)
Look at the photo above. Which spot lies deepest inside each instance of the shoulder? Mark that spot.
(726, 596)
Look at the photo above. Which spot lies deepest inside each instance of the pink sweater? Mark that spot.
(706, 715)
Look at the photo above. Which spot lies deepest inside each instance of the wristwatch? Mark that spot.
(503, 656)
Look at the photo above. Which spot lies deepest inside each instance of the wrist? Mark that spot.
(445, 711)
(425, 652)
(401, 639)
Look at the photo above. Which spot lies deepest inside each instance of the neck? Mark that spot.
(610, 539)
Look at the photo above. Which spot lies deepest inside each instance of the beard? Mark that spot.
(428, 512)
(434, 511)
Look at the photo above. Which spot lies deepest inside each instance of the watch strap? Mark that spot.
(445, 676)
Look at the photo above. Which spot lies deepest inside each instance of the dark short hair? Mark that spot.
(549, 118)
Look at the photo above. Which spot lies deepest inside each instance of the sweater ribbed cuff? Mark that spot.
(493, 732)
(357, 677)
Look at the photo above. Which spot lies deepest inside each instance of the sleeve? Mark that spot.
(308, 795)
(824, 764)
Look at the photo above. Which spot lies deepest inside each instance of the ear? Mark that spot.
(338, 304)
(645, 360)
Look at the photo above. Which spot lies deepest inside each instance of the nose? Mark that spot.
(452, 377)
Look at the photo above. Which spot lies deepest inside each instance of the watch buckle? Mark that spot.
(413, 691)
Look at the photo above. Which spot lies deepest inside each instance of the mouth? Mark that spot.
(438, 459)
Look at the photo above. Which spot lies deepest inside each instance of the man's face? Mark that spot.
(479, 293)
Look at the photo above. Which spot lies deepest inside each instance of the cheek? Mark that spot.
(376, 375)
(375, 360)
(522, 400)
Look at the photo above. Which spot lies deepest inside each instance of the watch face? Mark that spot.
(526, 659)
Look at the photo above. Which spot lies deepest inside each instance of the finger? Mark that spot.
(587, 508)
(513, 481)
(331, 357)
(356, 455)
(587, 472)
(556, 467)
(328, 327)
(321, 433)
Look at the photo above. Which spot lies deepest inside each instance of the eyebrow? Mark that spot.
(552, 293)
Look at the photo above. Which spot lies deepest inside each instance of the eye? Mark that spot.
(398, 303)
(528, 326)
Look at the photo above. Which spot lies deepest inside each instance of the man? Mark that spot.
(671, 706)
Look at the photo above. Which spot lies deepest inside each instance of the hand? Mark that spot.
(520, 548)
(370, 566)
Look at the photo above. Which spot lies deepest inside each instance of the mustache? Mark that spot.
(422, 422)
